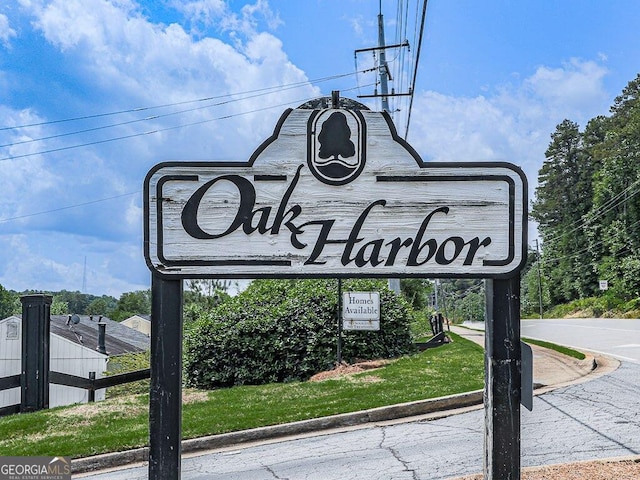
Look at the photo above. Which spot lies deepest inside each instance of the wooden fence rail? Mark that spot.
(91, 384)
(9, 382)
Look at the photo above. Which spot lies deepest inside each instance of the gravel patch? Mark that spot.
(594, 470)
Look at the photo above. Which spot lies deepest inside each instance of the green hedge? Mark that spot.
(286, 330)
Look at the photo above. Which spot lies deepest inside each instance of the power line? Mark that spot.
(150, 132)
(598, 212)
(154, 117)
(27, 215)
(185, 102)
(584, 250)
(415, 70)
(406, 61)
(90, 202)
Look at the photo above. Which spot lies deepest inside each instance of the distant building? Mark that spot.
(73, 350)
(141, 323)
(120, 338)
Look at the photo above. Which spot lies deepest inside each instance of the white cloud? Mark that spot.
(133, 60)
(123, 60)
(515, 123)
(203, 11)
(575, 88)
(203, 14)
(261, 8)
(6, 32)
(44, 261)
(19, 177)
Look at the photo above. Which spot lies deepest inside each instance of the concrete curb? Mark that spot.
(590, 368)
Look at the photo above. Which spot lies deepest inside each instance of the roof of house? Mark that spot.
(119, 339)
(142, 316)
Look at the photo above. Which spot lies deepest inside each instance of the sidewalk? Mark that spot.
(551, 370)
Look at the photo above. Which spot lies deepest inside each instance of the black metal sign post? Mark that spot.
(339, 316)
(503, 362)
(165, 400)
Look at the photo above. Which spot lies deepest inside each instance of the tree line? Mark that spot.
(199, 296)
(587, 205)
(67, 302)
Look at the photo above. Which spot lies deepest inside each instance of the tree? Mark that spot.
(417, 292)
(104, 305)
(201, 296)
(9, 303)
(588, 204)
(613, 223)
(471, 307)
(76, 302)
(132, 303)
(59, 307)
(563, 199)
(532, 286)
(462, 299)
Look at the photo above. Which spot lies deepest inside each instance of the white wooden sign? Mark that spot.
(361, 311)
(335, 193)
(361, 306)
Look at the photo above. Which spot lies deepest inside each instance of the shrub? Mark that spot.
(421, 324)
(286, 330)
(128, 362)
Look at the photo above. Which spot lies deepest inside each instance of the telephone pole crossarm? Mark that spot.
(371, 49)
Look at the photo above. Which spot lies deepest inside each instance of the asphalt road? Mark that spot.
(619, 338)
(595, 419)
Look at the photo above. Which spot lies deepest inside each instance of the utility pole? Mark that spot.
(394, 283)
(444, 301)
(384, 69)
(539, 277)
(384, 73)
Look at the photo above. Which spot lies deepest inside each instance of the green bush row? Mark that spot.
(286, 330)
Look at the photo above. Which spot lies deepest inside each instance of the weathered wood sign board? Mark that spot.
(335, 193)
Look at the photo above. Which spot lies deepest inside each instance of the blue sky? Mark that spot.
(494, 80)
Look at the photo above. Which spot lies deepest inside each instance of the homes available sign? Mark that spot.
(361, 311)
(335, 192)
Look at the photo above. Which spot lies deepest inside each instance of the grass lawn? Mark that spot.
(552, 346)
(558, 348)
(122, 423)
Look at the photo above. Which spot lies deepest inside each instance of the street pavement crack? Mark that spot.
(272, 472)
(396, 455)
